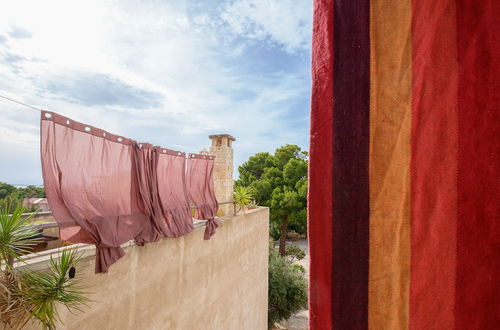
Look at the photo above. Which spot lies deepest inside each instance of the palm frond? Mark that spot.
(17, 237)
(45, 289)
(30, 294)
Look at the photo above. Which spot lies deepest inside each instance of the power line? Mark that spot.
(21, 103)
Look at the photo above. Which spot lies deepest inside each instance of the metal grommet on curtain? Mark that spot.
(140, 145)
(87, 129)
(119, 139)
(179, 153)
(104, 134)
(67, 122)
(48, 115)
(164, 151)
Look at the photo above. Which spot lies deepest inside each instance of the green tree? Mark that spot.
(31, 192)
(11, 202)
(12, 197)
(6, 189)
(279, 181)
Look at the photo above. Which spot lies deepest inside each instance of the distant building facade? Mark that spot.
(41, 204)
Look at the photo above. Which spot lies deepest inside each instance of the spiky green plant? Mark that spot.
(28, 294)
(242, 196)
(253, 204)
(44, 290)
(16, 236)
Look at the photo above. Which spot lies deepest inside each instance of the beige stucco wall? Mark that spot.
(183, 283)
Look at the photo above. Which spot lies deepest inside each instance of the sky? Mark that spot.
(166, 72)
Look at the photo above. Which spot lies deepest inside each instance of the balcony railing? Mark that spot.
(55, 225)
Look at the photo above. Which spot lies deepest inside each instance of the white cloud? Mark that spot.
(152, 71)
(285, 22)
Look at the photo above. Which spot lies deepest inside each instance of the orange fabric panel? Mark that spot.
(390, 127)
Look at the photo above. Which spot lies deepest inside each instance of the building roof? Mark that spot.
(222, 135)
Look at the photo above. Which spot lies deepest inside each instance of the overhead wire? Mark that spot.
(21, 103)
(40, 110)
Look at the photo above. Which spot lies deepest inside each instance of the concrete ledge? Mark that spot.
(180, 283)
(87, 250)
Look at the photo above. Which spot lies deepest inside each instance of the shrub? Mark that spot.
(274, 230)
(299, 267)
(293, 253)
(287, 289)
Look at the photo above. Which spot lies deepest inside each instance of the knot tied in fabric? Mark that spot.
(212, 225)
(106, 256)
(200, 185)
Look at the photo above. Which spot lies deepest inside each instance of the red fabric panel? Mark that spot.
(200, 186)
(477, 304)
(90, 182)
(433, 165)
(320, 193)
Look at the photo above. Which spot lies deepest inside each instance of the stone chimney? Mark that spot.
(223, 170)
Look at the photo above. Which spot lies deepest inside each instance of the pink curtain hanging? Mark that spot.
(146, 163)
(91, 185)
(161, 174)
(201, 191)
(172, 193)
(106, 190)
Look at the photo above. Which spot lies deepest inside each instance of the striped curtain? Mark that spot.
(404, 219)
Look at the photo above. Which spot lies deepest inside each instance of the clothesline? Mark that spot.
(40, 110)
(21, 103)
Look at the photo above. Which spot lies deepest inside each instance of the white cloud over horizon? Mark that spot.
(166, 72)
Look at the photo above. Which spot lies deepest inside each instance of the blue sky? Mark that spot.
(165, 72)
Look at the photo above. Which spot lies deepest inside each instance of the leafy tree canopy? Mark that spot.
(279, 181)
(31, 192)
(12, 197)
(6, 189)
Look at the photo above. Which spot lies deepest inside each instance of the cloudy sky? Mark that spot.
(167, 72)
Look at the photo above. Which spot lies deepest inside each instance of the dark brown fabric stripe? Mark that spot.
(350, 163)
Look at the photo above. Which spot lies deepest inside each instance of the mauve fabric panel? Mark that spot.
(172, 193)
(90, 182)
(351, 138)
(161, 174)
(200, 185)
(146, 162)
